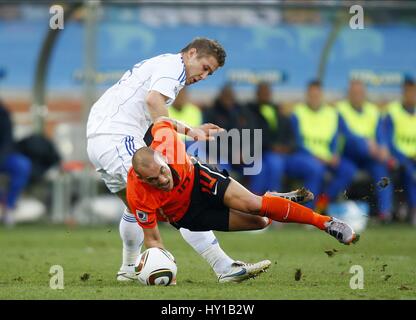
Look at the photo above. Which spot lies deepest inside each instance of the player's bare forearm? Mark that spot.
(179, 126)
(152, 238)
(156, 103)
(205, 131)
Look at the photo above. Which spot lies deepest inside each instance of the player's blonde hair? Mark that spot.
(207, 47)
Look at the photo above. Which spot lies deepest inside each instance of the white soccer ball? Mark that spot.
(156, 266)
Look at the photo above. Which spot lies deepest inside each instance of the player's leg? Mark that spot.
(240, 221)
(409, 179)
(130, 231)
(239, 198)
(206, 244)
(18, 168)
(219, 218)
(283, 210)
(226, 268)
(132, 236)
(240, 271)
(114, 154)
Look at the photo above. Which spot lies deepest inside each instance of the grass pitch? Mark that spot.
(306, 264)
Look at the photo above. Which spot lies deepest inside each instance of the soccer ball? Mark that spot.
(156, 266)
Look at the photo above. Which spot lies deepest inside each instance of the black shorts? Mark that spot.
(207, 210)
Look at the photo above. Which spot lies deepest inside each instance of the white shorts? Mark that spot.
(111, 155)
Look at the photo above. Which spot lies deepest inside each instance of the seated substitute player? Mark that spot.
(166, 184)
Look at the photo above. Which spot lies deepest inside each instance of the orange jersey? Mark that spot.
(145, 201)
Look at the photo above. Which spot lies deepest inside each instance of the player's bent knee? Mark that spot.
(261, 223)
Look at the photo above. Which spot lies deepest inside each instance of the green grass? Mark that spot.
(387, 255)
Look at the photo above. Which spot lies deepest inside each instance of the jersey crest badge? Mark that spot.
(142, 216)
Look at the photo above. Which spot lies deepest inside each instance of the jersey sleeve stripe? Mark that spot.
(182, 78)
(131, 220)
(182, 74)
(129, 217)
(133, 147)
(128, 142)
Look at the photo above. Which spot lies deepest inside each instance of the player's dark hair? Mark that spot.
(207, 47)
(314, 83)
(263, 83)
(408, 82)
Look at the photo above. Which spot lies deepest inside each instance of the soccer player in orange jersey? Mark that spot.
(117, 124)
(166, 184)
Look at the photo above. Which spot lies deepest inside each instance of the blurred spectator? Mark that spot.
(316, 126)
(365, 142)
(277, 139)
(227, 113)
(15, 166)
(183, 110)
(401, 137)
(9, 12)
(42, 154)
(302, 16)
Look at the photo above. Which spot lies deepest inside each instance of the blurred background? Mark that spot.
(50, 77)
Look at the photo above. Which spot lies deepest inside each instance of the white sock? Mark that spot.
(206, 244)
(132, 235)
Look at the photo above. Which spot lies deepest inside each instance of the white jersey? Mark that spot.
(122, 109)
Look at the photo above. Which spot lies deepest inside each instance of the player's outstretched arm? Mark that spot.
(205, 131)
(152, 238)
(209, 129)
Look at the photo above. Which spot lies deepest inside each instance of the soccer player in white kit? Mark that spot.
(116, 127)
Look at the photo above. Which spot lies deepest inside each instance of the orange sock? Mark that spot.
(283, 210)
